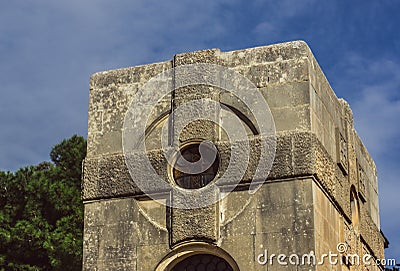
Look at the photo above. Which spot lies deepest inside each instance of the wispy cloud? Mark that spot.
(48, 49)
(374, 91)
(372, 86)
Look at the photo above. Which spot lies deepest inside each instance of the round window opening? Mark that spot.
(196, 166)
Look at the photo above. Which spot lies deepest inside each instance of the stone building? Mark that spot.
(320, 196)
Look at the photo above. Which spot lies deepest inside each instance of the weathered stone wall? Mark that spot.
(279, 219)
(119, 236)
(303, 206)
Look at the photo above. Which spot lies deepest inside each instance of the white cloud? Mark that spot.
(372, 87)
(264, 29)
(285, 8)
(48, 50)
(377, 109)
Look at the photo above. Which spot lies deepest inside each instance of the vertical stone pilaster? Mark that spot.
(200, 224)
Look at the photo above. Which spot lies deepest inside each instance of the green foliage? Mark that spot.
(41, 212)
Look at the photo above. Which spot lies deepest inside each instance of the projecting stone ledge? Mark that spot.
(297, 154)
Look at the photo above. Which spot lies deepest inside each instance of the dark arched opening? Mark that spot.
(197, 256)
(202, 262)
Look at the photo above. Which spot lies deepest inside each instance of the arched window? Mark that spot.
(197, 256)
(200, 262)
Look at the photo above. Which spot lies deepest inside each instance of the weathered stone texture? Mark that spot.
(303, 205)
(114, 232)
(195, 224)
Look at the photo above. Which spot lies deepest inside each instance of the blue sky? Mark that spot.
(49, 49)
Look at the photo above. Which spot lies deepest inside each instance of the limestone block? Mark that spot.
(201, 224)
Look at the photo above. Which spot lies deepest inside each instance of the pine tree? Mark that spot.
(41, 212)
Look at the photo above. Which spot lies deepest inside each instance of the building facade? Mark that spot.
(318, 196)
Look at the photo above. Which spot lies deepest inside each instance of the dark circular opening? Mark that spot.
(209, 169)
(202, 262)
